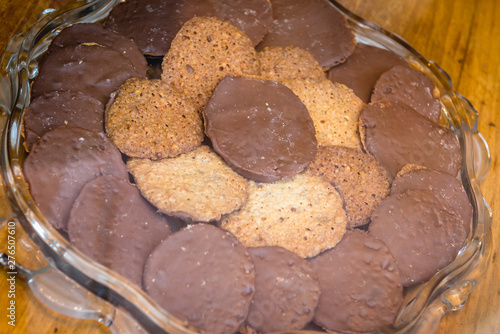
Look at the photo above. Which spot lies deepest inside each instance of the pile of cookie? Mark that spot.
(248, 164)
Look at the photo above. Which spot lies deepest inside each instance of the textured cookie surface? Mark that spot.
(110, 219)
(362, 181)
(334, 109)
(304, 215)
(421, 230)
(208, 279)
(409, 86)
(62, 162)
(281, 63)
(197, 185)
(151, 119)
(205, 51)
(313, 25)
(260, 128)
(361, 290)
(387, 136)
(286, 290)
(61, 108)
(362, 69)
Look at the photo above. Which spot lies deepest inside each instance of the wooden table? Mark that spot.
(462, 36)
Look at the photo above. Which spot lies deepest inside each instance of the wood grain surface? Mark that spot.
(462, 36)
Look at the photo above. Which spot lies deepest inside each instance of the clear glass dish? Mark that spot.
(72, 284)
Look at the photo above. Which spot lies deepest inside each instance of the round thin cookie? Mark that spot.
(62, 162)
(91, 69)
(205, 51)
(260, 128)
(421, 230)
(313, 25)
(286, 291)
(197, 185)
(397, 135)
(362, 69)
(61, 108)
(363, 183)
(411, 87)
(334, 109)
(446, 186)
(361, 290)
(112, 224)
(304, 215)
(208, 279)
(152, 119)
(96, 33)
(281, 63)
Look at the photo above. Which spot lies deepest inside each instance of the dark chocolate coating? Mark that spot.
(90, 33)
(94, 70)
(204, 276)
(362, 69)
(112, 224)
(421, 230)
(396, 135)
(260, 128)
(313, 25)
(286, 290)
(361, 289)
(62, 162)
(446, 186)
(153, 24)
(61, 108)
(409, 86)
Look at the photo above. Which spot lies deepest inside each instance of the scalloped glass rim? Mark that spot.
(424, 304)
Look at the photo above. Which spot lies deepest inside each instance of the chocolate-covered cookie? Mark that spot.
(446, 186)
(397, 135)
(112, 224)
(62, 162)
(313, 25)
(360, 285)
(421, 230)
(260, 128)
(362, 69)
(409, 86)
(286, 291)
(208, 279)
(91, 69)
(96, 33)
(61, 108)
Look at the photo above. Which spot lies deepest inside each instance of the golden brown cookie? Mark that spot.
(363, 182)
(205, 51)
(281, 63)
(151, 119)
(197, 185)
(334, 109)
(304, 215)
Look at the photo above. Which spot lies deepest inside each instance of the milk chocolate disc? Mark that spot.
(286, 291)
(91, 69)
(313, 25)
(61, 108)
(360, 285)
(208, 279)
(422, 232)
(396, 135)
(260, 128)
(62, 162)
(446, 186)
(362, 69)
(111, 223)
(95, 33)
(409, 86)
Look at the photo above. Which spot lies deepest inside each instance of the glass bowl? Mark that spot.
(72, 284)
